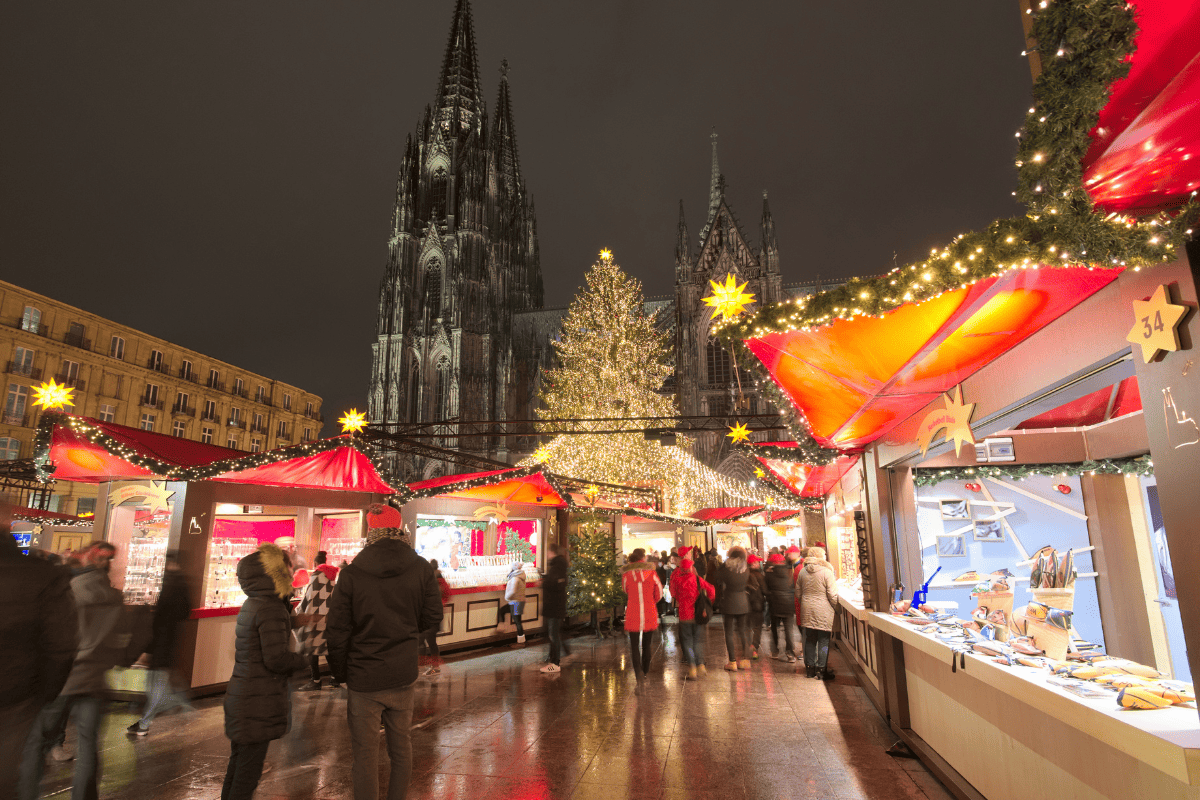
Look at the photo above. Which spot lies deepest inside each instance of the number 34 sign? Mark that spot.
(1155, 324)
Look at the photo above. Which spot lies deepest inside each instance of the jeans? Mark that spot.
(557, 645)
(244, 770)
(86, 711)
(364, 711)
(641, 647)
(736, 634)
(49, 721)
(786, 622)
(16, 721)
(691, 639)
(816, 648)
(161, 696)
(754, 626)
(517, 610)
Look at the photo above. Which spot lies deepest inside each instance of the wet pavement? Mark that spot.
(497, 728)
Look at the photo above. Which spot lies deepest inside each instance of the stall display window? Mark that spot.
(139, 526)
(341, 539)
(478, 552)
(222, 589)
(738, 537)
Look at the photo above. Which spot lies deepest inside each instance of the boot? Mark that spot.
(703, 670)
(691, 673)
(827, 674)
(810, 672)
(731, 666)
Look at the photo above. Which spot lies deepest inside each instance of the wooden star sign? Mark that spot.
(954, 418)
(1156, 324)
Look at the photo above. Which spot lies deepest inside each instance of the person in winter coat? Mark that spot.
(816, 590)
(173, 607)
(643, 590)
(514, 596)
(686, 586)
(781, 599)
(257, 705)
(99, 607)
(312, 613)
(756, 595)
(429, 635)
(554, 595)
(40, 630)
(732, 578)
(656, 563)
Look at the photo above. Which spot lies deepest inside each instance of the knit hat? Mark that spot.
(775, 558)
(793, 549)
(384, 522)
(752, 559)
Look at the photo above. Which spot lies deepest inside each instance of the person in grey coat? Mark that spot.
(732, 577)
(816, 594)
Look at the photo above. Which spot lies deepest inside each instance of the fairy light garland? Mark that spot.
(1140, 465)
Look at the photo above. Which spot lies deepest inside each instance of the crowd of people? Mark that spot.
(368, 620)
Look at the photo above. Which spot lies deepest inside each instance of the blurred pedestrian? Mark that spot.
(257, 701)
(382, 601)
(514, 598)
(686, 586)
(816, 594)
(733, 577)
(428, 636)
(756, 592)
(643, 591)
(781, 597)
(173, 607)
(554, 592)
(311, 614)
(98, 606)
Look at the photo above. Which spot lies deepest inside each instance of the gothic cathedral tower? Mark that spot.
(704, 371)
(462, 259)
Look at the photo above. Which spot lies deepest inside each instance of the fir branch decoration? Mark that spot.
(1141, 465)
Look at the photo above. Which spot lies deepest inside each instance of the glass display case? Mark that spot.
(340, 549)
(478, 552)
(221, 588)
(144, 567)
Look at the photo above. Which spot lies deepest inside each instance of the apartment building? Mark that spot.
(129, 377)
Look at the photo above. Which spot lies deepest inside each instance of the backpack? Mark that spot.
(703, 608)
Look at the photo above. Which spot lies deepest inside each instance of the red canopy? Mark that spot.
(344, 468)
(806, 480)
(725, 514)
(516, 485)
(1099, 406)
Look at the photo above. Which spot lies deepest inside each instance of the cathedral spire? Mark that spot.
(459, 96)
(505, 136)
(716, 186)
(683, 257)
(770, 248)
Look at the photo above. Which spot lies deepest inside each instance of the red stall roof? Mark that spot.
(516, 485)
(804, 480)
(731, 514)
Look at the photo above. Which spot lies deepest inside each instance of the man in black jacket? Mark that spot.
(381, 601)
(554, 604)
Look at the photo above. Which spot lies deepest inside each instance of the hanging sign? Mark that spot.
(1156, 324)
(156, 497)
(954, 418)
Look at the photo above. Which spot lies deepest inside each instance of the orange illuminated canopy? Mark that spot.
(516, 485)
(854, 380)
(806, 480)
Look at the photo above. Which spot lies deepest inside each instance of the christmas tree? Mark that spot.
(594, 582)
(613, 360)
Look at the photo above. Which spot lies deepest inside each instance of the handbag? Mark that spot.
(703, 609)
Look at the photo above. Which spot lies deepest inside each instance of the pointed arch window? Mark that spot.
(433, 288)
(414, 394)
(442, 391)
(720, 369)
(438, 194)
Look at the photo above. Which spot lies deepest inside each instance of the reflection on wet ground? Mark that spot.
(497, 728)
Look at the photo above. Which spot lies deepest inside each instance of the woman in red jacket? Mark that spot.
(685, 588)
(643, 590)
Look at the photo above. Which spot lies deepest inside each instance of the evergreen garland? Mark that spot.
(594, 581)
(1141, 465)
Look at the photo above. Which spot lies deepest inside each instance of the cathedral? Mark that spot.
(462, 332)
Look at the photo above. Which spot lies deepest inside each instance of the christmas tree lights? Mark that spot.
(594, 581)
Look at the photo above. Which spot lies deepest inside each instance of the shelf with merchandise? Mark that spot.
(342, 548)
(221, 587)
(144, 567)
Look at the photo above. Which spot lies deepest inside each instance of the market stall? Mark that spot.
(50, 530)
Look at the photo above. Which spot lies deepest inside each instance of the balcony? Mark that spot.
(213, 417)
(258, 429)
(73, 383)
(164, 369)
(27, 370)
(21, 420)
(146, 402)
(234, 422)
(184, 411)
(218, 385)
(283, 439)
(77, 340)
(314, 415)
(266, 401)
(242, 393)
(37, 330)
(186, 374)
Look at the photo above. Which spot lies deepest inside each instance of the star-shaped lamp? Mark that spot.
(606, 255)
(758, 472)
(353, 421)
(542, 454)
(1156, 323)
(728, 299)
(738, 433)
(52, 395)
(592, 492)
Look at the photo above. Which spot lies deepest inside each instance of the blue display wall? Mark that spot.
(997, 523)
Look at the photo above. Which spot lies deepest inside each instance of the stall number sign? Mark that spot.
(1156, 324)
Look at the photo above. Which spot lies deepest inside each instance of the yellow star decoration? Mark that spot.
(1156, 323)
(606, 254)
(729, 300)
(592, 492)
(353, 421)
(758, 472)
(542, 454)
(53, 395)
(738, 433)
(954, 418)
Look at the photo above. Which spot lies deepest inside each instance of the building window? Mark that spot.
(308, 409)
(85, 505)
(31, 320)
(210, 410)
(258, 422)
(438, 193)
(185, 370)
(76, 334)
(287, 402)
(414, 394)
(214, 379)
(232, 443)
(150, 398)
(181, 402)
(442, 392)
(206, 435)
(22, 362)
(719, 366)
(177, 429)
(718, 406)
(307, 434)
(260, 394)
(116, 348)
(239, 387)
(235, 416)
(10, 448)
(68, 372)
(15, 403)
(433, 288)
(255, 445)
(108, 413)
(156, 359)
(281, 431)
(147, 423)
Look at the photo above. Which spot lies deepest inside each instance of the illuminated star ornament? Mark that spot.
(738, 433)
(606, 255)
(542, 454)
(728, 299)
(1156, 323)
(758, 472)
(53, 395)
(954, 418)
(592, 492)
(353, 421)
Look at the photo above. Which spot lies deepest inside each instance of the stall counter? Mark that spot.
(1011, 734)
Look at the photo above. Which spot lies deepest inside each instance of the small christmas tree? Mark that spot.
(516, 547)
(594, 582)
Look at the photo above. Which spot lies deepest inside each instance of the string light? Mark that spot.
(1141, 465)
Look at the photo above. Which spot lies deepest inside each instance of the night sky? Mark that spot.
(221, 174)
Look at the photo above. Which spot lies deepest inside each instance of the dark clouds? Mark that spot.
(221, 173)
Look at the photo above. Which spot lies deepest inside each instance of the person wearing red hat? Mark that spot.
(686, 586)
(640, 582)
(781, 595)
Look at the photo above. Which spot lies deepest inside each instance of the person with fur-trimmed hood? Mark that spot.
(643, 590)
(816, 596)
(257, 704)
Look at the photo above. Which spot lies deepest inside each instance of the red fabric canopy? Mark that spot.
(806, 480)
(343, 468)
(77, 459)
(516, 485)
(725, 514)
(1099, 406)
